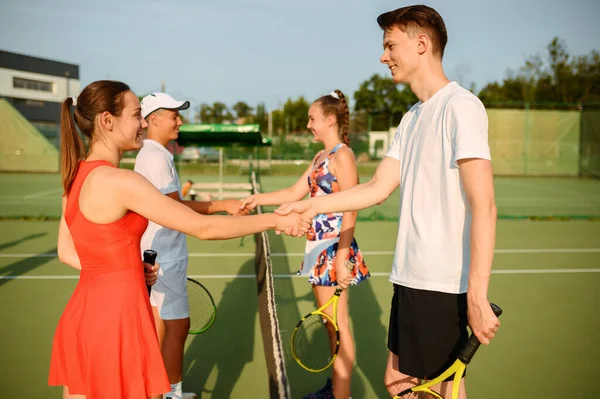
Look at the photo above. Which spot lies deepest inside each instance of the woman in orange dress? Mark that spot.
(105, 345)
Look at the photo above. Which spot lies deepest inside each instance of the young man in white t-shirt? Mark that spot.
(441, 160)
(169, 295)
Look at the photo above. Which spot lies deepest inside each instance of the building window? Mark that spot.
(28, 103)
(30, 84)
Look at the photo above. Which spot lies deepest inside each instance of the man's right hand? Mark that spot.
(232, 207)
(303, 207)
(294, 224)
(482, 321)
(249, 203)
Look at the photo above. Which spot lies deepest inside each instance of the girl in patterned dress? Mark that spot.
(332, 256)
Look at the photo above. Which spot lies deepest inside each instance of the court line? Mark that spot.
(546, 250)
(368, 253)
(28, 255)
(544, 201)
(12, 198)
(548, 190)
(46, 201)
(536, 200)
(549, 205)
(498, 251)
(252, 276)
(42, 193)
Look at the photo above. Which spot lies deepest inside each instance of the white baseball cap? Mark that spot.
(156, 101)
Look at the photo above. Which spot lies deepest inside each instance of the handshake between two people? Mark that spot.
(293, 218)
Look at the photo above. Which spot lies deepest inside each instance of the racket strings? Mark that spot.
(315, 342)
(202, 309)
(404, 385)
(420, 395)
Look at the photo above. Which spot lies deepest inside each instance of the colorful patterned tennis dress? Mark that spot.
(324, 234)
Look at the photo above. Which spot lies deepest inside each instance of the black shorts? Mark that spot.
(427, 330)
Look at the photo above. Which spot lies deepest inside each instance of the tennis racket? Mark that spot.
(316, 338)
(424, 391)
(149, 257)
(203, 311)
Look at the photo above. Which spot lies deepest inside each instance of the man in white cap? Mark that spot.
(169, 295)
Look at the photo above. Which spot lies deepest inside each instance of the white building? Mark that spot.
(36, 86)
(379, 142)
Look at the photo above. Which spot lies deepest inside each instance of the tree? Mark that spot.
(293, 118)
(557, 77)
(587, 71)
(219, 112)
(278, 121)
(261, 117)
(380, 98)
(227, 117)
(242, 110)
(183, 118)
(204, 114)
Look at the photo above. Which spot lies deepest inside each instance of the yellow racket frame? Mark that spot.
(320, 312)
(457, 368)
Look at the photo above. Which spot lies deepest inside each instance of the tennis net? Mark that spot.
(273, 347)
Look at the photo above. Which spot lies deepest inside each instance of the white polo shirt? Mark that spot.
(433, 245)
(155, 162)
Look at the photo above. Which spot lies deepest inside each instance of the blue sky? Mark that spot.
(269, 50)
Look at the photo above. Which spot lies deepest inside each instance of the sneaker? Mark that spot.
(324, 393)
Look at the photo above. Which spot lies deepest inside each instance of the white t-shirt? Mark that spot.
(155, 163)
(433, 245)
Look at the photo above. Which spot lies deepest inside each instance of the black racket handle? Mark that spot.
(467, 353)
(149, 257)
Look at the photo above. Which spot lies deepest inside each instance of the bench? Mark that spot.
(208, 191)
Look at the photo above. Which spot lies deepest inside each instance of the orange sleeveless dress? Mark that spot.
(105, 345)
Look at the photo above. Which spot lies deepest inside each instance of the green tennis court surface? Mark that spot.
(516, 197)
(546, 278)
